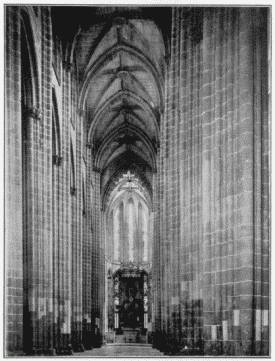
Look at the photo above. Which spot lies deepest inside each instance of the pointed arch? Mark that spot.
(109, 54)
(137, 100)
(72, 169)
(29, 63)
(56, 138)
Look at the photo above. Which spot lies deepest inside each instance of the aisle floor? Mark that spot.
(121, 350)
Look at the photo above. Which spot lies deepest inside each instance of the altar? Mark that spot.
(130, 300)
(131, 310)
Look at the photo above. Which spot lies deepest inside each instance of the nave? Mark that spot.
(137, 179)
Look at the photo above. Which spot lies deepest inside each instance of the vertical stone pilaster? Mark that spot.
(77, 220)
(232, 105)
(210, 208)
(43, 197)
(97, 260)
(102, 276)
(13, 186)
(87, 256)
(30, 125)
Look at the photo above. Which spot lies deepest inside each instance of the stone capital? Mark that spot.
(96, 169)
(32, 113)
(57, 160)
(80, 112)
(167, 59)
(73, 191)
(68, 66)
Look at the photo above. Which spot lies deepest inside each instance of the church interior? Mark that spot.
(137, 179)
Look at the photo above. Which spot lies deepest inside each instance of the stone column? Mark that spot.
(145, 301)
(234, 114)
(87, 255)
(78, 228)
(30, 247)
(43, 195)
(97, 260)
(116, 301)
(14, 273)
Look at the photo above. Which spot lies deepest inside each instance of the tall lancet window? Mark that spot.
(111, 243)
(131, 229)
(116, 234)
(145, 233)
(140, 233)
(122, 255)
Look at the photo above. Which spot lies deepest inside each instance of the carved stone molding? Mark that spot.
(167, 59)
(80, 112)
(32, 113)
(96, 169)
(73, 191)
(89, 145)
(68, 66)
(57, 160)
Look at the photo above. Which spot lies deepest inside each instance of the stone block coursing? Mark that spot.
(211, 211)
(209, 168)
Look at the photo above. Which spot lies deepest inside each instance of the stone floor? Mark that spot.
(121, 350)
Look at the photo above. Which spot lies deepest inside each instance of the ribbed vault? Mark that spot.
(121, 66)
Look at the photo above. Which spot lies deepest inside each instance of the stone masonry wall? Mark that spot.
(13, 190)
(213, 178)
(210, 273)
(29, 239)
(49, 240)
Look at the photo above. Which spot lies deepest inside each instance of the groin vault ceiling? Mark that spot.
(120, 56)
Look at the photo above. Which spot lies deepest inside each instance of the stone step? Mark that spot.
(131, 337)
(142, 349)
(122, 350)
(130, 344)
